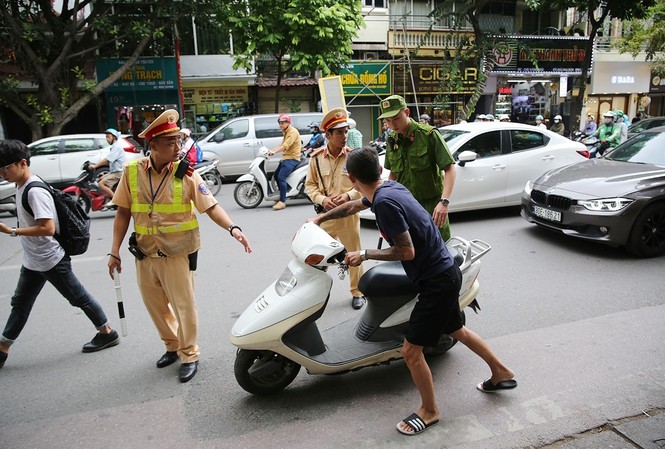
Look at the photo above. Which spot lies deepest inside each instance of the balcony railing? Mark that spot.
(436, 40)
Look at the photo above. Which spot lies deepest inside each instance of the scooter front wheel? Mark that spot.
(248, 194)
(263, 372)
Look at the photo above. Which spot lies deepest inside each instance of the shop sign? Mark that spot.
(555, 55)
(427, 78)
(657, 84)
(215, 94)
(621, 77)
(366, 78)
(145, 75)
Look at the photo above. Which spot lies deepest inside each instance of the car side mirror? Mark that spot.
(219, 137)
(466, 156)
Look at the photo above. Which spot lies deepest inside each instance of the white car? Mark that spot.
(7, 197)
(494, 160)
(58, 159)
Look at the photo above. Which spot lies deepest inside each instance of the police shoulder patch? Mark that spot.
(203, 188)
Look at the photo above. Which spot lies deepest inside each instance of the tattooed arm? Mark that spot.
(402, 249)
(341, 211)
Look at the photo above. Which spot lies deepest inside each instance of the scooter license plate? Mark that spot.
(547, 214)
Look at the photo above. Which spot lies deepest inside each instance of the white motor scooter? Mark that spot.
(277, 333)
(254, 187)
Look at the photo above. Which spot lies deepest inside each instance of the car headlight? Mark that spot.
(605, 204)
(286, 282)
(528, 187)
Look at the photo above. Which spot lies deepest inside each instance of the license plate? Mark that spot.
(547, 214)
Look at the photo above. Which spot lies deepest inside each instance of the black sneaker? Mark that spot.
(3, 358)
(102, 341)
(357, 302)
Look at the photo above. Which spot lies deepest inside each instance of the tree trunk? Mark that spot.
(279, 84)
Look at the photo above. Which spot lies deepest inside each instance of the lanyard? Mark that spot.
(154, 194)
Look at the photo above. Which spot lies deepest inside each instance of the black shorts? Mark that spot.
(437, 310)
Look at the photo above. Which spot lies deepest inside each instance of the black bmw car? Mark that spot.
(618, 199)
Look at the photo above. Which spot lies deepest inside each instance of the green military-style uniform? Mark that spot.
(417, 160)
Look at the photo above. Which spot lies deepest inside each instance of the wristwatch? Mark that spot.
(13, 233)
(444, 201)
(363, 254)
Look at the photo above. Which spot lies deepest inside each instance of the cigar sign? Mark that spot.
(553, 55)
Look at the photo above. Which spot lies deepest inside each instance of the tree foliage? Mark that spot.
(55, 51)
(303, 35)
(647, 35)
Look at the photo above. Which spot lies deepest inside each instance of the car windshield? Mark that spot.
(645, 148)
(451, 135)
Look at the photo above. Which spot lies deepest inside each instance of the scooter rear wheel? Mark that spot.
(263, 372)
(248, 195)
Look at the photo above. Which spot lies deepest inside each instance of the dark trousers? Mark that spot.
(284, 169)
(30, 284)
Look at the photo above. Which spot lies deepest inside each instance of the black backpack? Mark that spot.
(74, 235)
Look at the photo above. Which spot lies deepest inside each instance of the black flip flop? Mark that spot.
(489, 387)
(416, 423)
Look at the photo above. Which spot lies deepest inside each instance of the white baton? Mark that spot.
(121, 307)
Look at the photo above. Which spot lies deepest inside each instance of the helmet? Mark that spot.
(284, 118)
(609, 114)
(539, 117)
(314, 125)
(557, 117)
(590, 116)
(618, 113)
(489, 117)
(424, 117)
(186, 131)
(351, 122)
(481, 116)
(114, 132)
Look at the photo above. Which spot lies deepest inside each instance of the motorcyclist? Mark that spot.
(115, 160)
(590, 126)
(621, 122)
(609, 133)
(317, 140)
(558, 126)
(539, 122)
(189, 150)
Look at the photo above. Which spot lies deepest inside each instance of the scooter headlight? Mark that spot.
(286, 282)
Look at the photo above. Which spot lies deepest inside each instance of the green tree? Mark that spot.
(301, 35)
(56, 50)
(647, 35)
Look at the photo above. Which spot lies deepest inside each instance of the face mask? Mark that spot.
(607, 121)
(556, 121)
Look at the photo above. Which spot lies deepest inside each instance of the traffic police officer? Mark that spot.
(328, 185)
(160, 194)
(415, 155)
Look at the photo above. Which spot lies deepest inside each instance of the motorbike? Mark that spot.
(278, 332)
(255, 186)
(211, 175)
(592, 144)
(87, 192)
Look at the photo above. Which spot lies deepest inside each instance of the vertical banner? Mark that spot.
(181, 96)
(332, 93)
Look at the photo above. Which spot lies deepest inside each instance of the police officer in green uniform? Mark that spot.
(415, 155)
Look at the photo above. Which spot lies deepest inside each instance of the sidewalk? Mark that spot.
(645, 431)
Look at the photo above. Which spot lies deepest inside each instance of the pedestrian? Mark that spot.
(161, 200)
(43, 257)
(539, 122)
(414, 240)
(115, 160)
(291, 148)
(354, 137)
(416, 154)
(557, 126)
(328, 186)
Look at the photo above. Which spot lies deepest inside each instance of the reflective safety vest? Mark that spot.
(175, 207)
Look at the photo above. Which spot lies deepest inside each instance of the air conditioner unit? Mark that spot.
(371, 55)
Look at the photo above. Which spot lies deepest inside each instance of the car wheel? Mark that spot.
(263, 372)
(248, 194)
(647, 239)
(99, 172)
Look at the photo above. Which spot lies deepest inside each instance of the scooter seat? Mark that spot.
(386, 279)
(390, 279)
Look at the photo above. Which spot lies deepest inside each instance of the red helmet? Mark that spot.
(284, 118)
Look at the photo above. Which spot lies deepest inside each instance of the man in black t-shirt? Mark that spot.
(416, 241)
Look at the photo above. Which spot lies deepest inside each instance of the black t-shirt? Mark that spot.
(397, 211)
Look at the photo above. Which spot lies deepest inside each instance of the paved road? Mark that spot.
(580, 324)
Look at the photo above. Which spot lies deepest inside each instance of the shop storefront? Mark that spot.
(618, 85)
(214, 92)
(535, 76)
(654, 103)
(365, 84)
(148, 88)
